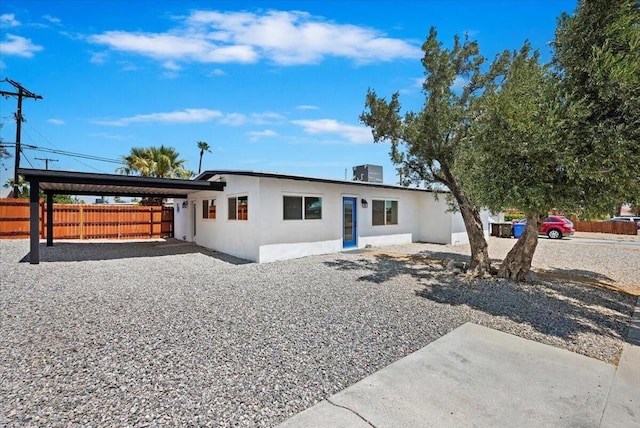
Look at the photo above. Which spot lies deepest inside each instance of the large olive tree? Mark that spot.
(428, 144)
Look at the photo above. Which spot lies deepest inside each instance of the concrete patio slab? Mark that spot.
(476, 376)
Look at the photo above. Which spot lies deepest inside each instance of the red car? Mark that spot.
(555, 227)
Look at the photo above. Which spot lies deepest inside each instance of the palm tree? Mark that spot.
(154, 162)
(22, 186)
(204, 147)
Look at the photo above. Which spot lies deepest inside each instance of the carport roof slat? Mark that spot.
(84, 183)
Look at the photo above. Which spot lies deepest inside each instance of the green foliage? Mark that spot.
(4, 153)
(154, 162)
(597, 56)
(426, 145)
(510, 217)
(520, 150)
(63, 199)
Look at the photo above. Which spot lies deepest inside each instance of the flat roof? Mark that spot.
(85, 183)
(207, 175)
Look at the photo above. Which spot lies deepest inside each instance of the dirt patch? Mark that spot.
(628, 289)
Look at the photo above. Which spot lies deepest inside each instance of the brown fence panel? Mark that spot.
(14, 218)
(617, 227)
(88, 221)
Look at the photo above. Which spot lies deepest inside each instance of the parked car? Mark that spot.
(626, 219)
(555, 227)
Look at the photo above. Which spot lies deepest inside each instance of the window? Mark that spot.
(384, 213)
(302, 208)
(239, 208)
(209, 208)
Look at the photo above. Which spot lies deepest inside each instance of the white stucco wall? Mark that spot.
(234, 237)
(436, 222)
(180, 218)
(282, 239)
(267, 237)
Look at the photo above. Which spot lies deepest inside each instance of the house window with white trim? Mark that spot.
(384, 212)
(209, 208)
(302, 208)
(239, 208)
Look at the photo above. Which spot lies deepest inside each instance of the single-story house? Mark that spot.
(264, 217)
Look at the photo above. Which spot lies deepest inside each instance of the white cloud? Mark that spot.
(285, 38)
(306, 107)
(8, 20)
(266, 117)
(217, 72)
(117, 137)
(234, 119)
(255, 135)
(181, 116)
(52, 19)
(127, 66)
(98, 58)
(18, 46)
(171, 65)
(175, 47)
(192, 115)
(355, 134)
(295, 37)
(56, 121)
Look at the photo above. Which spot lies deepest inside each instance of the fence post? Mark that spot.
(81, 223)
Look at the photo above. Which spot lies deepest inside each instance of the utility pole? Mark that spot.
(46, 161)
(22, 93)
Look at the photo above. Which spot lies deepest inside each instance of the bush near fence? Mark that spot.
(87, 221)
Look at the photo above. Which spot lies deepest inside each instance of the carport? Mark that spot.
(84, 183)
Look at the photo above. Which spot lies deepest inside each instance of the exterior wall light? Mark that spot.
(364, 203)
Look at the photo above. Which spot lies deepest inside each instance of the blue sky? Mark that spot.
(270, 85)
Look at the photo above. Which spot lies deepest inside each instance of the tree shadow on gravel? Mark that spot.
(556, 308)
(87, 250)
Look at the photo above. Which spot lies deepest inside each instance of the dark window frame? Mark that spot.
(303, 210)
(206, 209)
(235, 210)
(384, 208)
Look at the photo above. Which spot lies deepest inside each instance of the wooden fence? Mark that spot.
(88, 221)
(617, 227)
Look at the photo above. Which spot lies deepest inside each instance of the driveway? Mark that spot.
(168, 333)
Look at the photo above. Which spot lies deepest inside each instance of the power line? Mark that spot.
(66, 153)
(27, 159)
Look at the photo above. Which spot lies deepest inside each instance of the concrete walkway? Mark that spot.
(476, 376)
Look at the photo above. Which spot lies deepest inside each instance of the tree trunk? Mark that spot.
(200, 162)
(480, 264)
(517, 265)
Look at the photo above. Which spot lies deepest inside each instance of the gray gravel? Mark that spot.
(170, 334)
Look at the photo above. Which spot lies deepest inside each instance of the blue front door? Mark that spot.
(349, 231)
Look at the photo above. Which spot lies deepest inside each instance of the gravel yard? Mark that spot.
(167, 333)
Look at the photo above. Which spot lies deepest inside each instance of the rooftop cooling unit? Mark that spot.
(368, 173)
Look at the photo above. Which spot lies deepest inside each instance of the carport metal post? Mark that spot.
(49, 219)
(34, 222)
